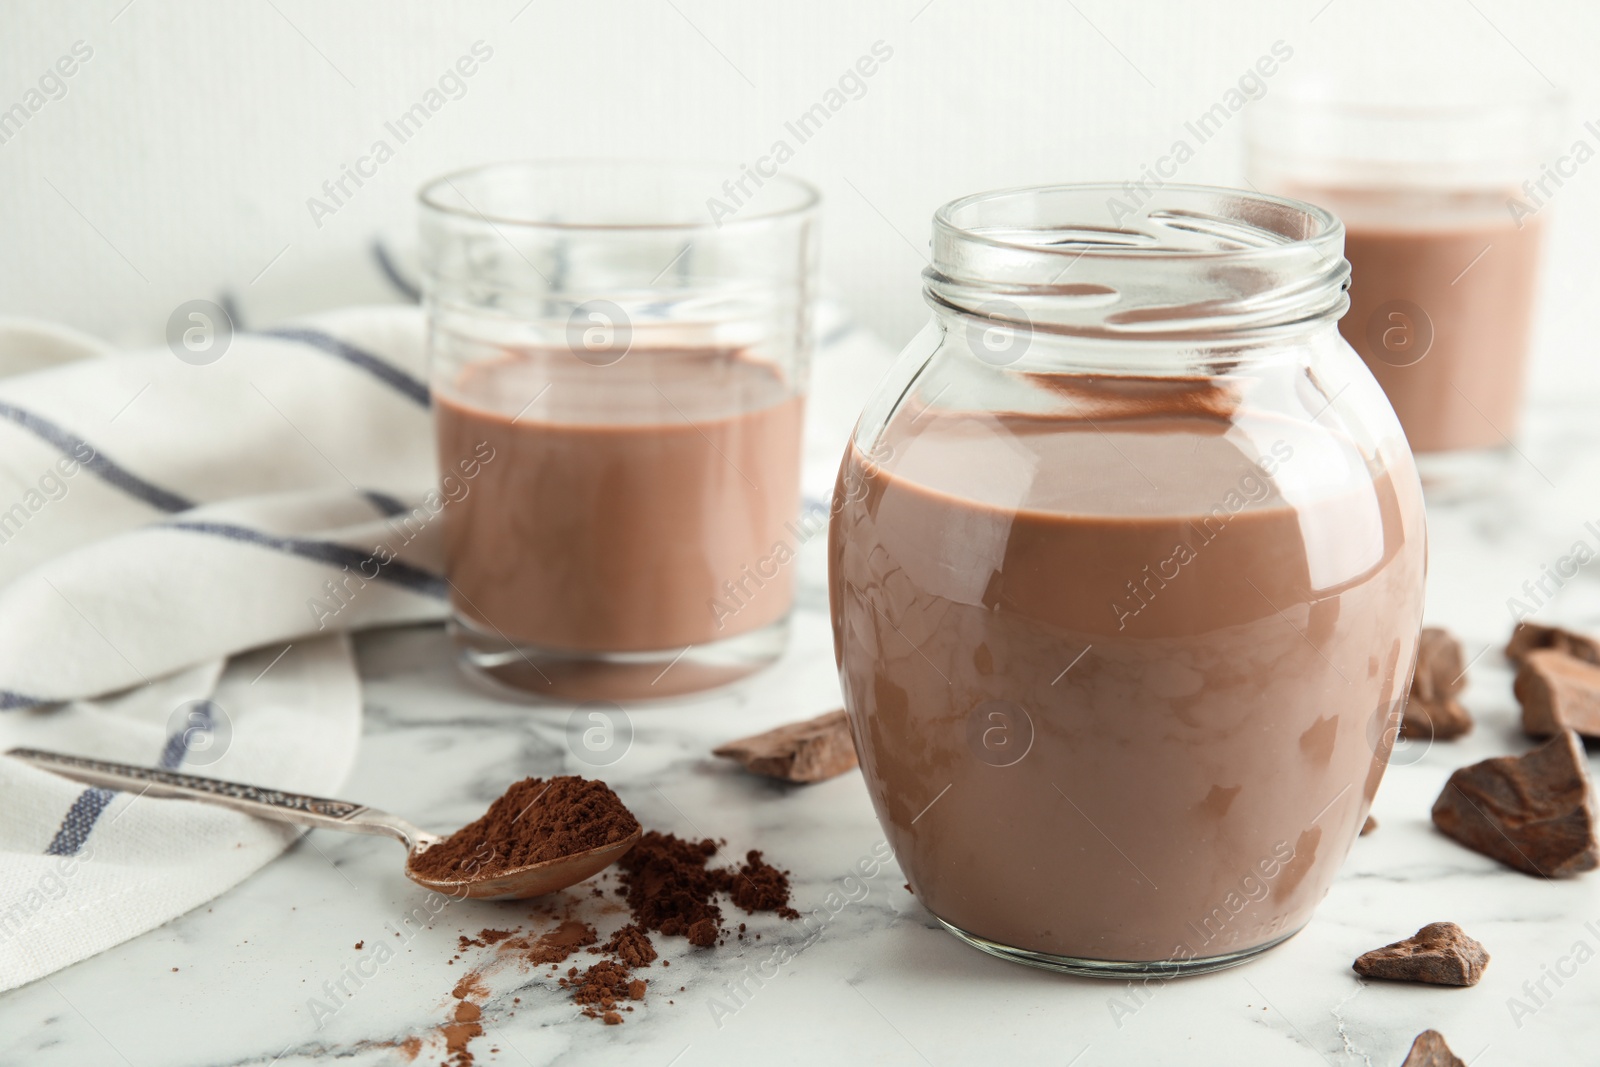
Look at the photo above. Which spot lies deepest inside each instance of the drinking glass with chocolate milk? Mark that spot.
(1444, 212)
(1126, 573)
(618, 379)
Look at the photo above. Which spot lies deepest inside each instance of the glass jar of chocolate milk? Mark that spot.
(1127, 576)
(1444, 213)
(618, 363)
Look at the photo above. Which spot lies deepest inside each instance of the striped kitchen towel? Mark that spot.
(185, 538)
(184, 544)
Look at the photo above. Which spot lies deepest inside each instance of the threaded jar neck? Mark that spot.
(1172, 263)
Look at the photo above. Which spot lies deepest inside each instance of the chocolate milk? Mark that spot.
(1117, 697)
(1474, 274)
(626, 507)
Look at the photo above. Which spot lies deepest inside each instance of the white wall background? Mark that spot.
(180, 159)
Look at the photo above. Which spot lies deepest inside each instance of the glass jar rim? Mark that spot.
(1330, 229)
(442, 194)
(1153, 261)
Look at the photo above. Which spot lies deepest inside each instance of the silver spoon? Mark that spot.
(321, 813)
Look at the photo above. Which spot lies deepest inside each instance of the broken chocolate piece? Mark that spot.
(1370, 825)
(1429, 1050)
(1532, 812)
(1531, 635)
(1432, 712)
(1441, 669)
(1558, 692)
(798, 752)
(1438, 954)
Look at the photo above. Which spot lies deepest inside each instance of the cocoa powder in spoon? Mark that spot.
(535, 821)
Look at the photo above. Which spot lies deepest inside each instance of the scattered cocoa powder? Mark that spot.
(483, 940)
(534, 821)
(759, 886)
(702, 933)
(632, 946)
(669, 887)
(459, 1033)
(666, 881)
(602, 986)
(470, 985)
(563, 941)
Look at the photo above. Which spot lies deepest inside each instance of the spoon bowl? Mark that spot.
(534, 880)
(520, 883)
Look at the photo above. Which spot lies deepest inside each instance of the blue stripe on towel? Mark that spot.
(401, 283)
(86, 810)
(72, 445)
(384, 372)
(177, 747)
(11, 701)
(334, 555)
(387, 505)
(81, 817)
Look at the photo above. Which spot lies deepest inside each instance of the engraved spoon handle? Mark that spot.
(275, 804)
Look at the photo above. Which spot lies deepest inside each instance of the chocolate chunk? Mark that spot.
(1441, 667)
(1531, 635)
(1432, 712)
(1429, 1050)
(1370, 825)
(798, 752)
(1438, 954)
(1558, 692)
(1532, 812)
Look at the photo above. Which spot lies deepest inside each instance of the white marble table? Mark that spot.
(229, 983)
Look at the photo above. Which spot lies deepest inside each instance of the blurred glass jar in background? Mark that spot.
(618, 380)
(1443, 240)
(1127, 578)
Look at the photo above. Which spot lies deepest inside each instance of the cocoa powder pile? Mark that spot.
(666, 880)
(603, 987)
(535, 821)
(631, 945)
(669, 887)
(759, 886)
